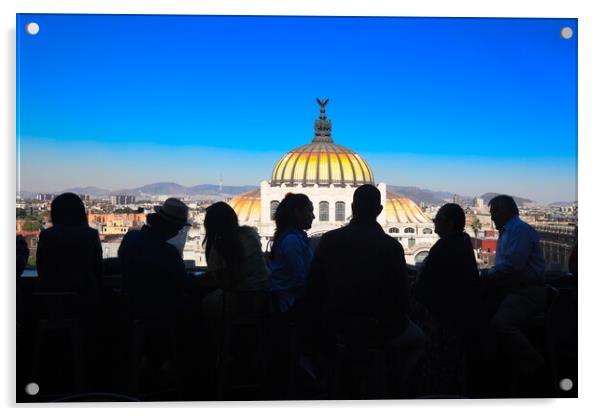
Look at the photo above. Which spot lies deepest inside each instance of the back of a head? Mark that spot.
(366, 202)
(68, 209)
(504, 203)
(454, 215)
(222, 232)
(220, 218)
(285, 217)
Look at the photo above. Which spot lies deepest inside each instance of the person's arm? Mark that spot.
(97, 256)
(400, 289)
(428, 277)
(42, 257)
(294, 257)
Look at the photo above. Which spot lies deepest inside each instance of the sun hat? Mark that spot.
(174, 211)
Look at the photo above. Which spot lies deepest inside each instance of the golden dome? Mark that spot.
(247, 206)
(322, 161)
(401, 210)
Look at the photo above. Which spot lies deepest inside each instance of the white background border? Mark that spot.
(590, 136)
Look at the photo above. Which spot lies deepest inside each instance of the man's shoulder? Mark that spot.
(523, 227)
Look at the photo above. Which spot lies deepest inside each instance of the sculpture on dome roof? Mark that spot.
(322, 104)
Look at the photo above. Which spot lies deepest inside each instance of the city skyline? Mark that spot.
(461, 105)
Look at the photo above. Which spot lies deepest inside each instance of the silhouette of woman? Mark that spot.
(69, 254)
(291, 252)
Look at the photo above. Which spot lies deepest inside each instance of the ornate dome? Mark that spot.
(247, 206)
(322, 161)
(401, 209)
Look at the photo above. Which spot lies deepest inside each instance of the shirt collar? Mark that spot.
(509, 224)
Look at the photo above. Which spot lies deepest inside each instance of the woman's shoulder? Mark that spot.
(248, 232)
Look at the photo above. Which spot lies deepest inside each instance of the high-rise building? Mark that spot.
(123, 199)
(45, 197)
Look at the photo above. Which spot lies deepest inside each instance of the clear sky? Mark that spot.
(461, 105)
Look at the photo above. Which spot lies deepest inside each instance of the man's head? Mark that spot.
(450, 219)
(366, 203)
(502, 208)
(169, 218)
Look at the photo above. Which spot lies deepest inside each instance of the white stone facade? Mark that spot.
(416, 239)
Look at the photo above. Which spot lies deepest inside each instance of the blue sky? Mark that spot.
(462, 105)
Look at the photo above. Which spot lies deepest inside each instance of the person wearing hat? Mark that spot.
(153, 270)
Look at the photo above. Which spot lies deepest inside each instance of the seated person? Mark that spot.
(448, 283)
(360, 271)
(516, 280)
(69, 254)
(234, 256)
(448, 287)
(291, 252)
(153, 271)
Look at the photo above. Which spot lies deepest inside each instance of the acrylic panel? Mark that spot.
(126, 111)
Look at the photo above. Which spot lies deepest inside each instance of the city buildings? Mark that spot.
(122, 199)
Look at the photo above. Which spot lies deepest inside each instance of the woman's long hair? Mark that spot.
(68, 209)
(222, 233)
(285, 215)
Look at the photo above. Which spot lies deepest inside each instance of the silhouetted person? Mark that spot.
(448, 286)
(22, 255)
(517, 279)
(291, 252)
(154, 276)
(448, 282)
(360, 271)
(234, 257)
(155, 279)
(69, 254)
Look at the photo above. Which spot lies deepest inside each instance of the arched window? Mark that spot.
(427, 231)
(420, 257)
(273, 206)
(339, 211)
(323, 211)
(409, 230)
(394, 230)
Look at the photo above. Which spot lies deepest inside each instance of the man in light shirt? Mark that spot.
(518, 279)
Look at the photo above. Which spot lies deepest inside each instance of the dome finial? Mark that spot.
(322, 125)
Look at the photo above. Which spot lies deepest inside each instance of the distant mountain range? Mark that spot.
(519, 201)
(423, 195)
(206, 191)
(210, 191)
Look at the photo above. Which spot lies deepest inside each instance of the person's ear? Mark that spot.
(379, 210)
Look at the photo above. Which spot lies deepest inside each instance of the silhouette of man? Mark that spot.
(517, 277)
(359, 271)
(448, 283)
(153, 271)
